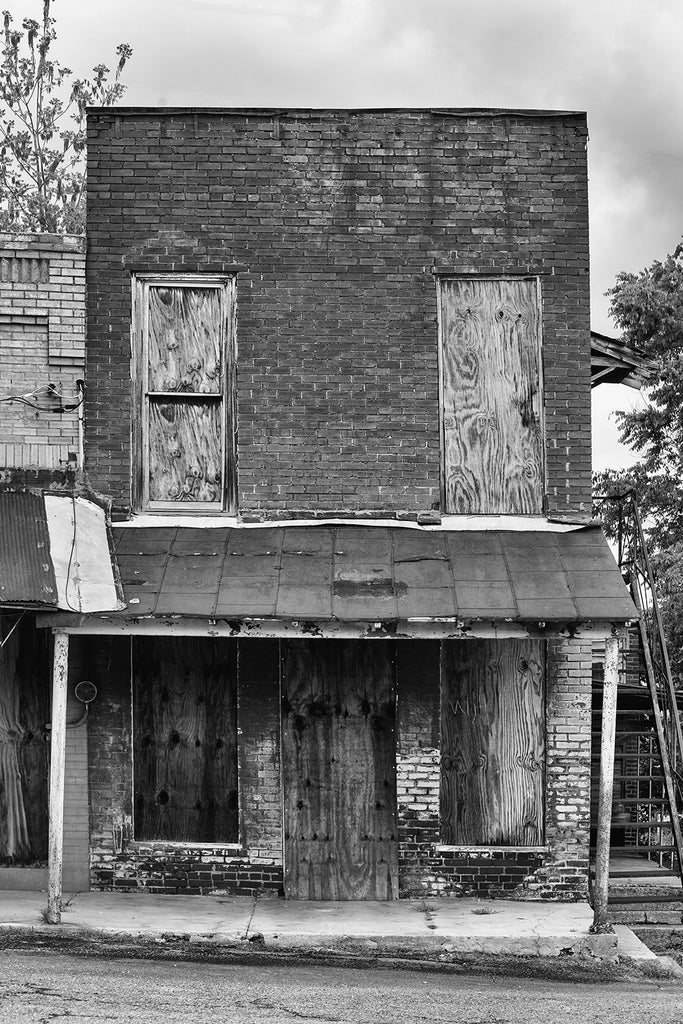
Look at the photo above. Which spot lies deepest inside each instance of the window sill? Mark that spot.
(443, 848)
(134, 846)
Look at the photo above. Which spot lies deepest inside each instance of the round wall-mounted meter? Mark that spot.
(85, 691)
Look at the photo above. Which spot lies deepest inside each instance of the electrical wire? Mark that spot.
(44, 391)
(5, 639)
(71, 555)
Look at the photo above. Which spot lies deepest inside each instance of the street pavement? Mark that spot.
(41, 987)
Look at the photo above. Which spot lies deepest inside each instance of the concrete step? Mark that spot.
(644, 913)
(660, 937)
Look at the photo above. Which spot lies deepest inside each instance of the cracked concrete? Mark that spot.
(435, 927)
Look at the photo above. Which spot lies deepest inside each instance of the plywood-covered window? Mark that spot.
(491, 396)
(184, 388)
(492, 742)
(185, 739)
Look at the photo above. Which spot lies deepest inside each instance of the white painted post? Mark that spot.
(609, 719)
(60, 666)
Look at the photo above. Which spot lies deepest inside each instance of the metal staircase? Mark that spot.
(647, 843)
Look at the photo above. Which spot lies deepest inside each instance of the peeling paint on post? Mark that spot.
(609, 716)
(57, 761)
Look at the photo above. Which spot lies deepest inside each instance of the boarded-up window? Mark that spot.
(492, 742)
(185, 739)
(491, 396)
(184, 383)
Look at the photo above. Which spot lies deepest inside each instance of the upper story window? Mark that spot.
(491, 396)
(183, 380)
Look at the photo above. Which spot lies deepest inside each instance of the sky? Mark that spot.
(619, 60)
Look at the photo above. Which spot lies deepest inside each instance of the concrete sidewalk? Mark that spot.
(429, 927)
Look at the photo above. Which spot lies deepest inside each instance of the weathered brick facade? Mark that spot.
(557, 870)
(335, 223)
(42, 341)
(336, 226)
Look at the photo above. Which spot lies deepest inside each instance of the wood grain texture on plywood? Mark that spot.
(185, 451)
(338, 740)
(492, 742)
(185, 739)
(491, 393)
(184, 340)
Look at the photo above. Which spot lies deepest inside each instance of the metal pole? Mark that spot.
(60, 666)
(609, 719)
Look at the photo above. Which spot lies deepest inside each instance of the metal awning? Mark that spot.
(55, 553)
(318, 575)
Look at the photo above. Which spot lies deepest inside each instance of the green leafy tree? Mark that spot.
(648, 308)
(42, 128)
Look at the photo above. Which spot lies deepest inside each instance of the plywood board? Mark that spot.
(339, 768)
(185, 739)
(185, 451)
(492, 742)
(184, 340)
(493, 458)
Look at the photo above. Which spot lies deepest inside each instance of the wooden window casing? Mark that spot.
(491, 395)
(183, 379)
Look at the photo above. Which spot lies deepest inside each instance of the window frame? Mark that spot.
(225, 284)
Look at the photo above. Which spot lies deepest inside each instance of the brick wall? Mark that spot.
(42, 341)
(119, 862)
(334, 223)
(560, 871)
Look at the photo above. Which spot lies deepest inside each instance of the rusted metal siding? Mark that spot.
(26, 571)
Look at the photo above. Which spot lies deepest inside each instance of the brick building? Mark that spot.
(43, 510)
(337, 390)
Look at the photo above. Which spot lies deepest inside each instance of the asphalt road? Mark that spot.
(42, 987)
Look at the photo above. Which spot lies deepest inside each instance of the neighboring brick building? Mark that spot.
(338, 386)
(42, 366)
(42, 343)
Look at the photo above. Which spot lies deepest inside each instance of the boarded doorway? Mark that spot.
(339, 768)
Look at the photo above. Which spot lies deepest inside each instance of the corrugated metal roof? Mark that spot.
(370, 573)
(26, 571)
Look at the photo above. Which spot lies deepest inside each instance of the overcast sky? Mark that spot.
(620, 60)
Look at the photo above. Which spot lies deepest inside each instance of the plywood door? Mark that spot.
(492, 742)
(492, 398)
(339, 768)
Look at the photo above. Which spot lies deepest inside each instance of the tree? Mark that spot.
(648, 307)
(42, 128)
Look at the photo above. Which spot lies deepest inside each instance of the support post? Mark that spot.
(60, 666)
(608, 732)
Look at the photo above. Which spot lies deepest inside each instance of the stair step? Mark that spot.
(645, 915)
(660, 937)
